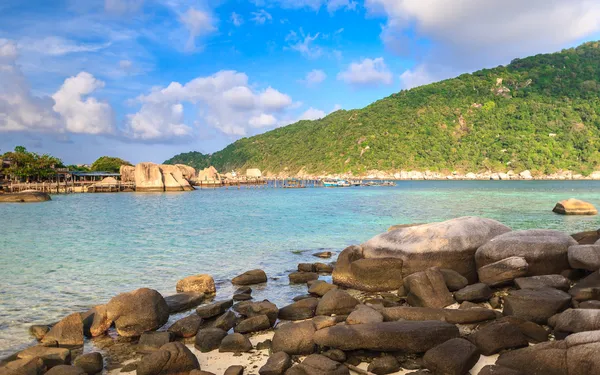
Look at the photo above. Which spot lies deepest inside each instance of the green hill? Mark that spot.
(539, 113)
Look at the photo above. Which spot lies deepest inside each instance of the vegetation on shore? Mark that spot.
(540, 113)
(108, 164)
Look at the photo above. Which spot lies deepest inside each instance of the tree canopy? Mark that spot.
(540, 113)
(108, 164)
(27, 165)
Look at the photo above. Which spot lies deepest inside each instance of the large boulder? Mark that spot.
(198, 283)
(67, 333)
(574, 206)
(29, 366)
(277, 364)
(428, 289)
(303, 309)
(51, 356)
(497, 336)
(317, 364)
(384, 261)
(411, 337)
(91, 363)
(189, 173)
(137, 312)
(503, 271)
(251, 309)
(235, 343)
(454, 357)
(336, 302)
(25, 197)
(587, 288)
(544, 281)
(171, 359)
(187, 326)
(585, 257)
(250, 278)
(577, 320)
(127, 173)
(173, 178)
(148, 178)
(454, 316)
(295, 338)
(536, 305)
(544, 250)
(479, 292)
(214, 309)
(577, 354)
(183, 301)
(209, 339)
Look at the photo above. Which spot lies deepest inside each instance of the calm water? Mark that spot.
(80, 250)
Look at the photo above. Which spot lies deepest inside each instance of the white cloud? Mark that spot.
(316, 5)
(312, 114)
(261, 17)
(336, 108)
(418, 76)
(472, 33)
(122, 6)
(224, 101)
(367, 72)
(314, 77)
(335, 5)
(199, 23)
(305, 45)
(66, 111)
(88, 115)
(58, 46)
(236, 19)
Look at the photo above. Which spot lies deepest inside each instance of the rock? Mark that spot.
(446, 315)
(316, 364)
(250, 309)
(306, 267)
(137, 312)
(295, 338)
(336, 302)
(173, 178)
(382, 262)
(545, 251)
(587, 288)
(235, 343)
(65, 370)
(323, 268)
(250, 278)
(587, 238)
(534, 332)
(303, 309)
(150, 341)
(127, 173)
(243, 290)
(186, 327)
(384, 365)
(454, 357)
(277, 364)
(91, 363)
(242, 297)
(498, 370)
(38, 331)
(189, 173)
(302, 277)
(411, 337)
(578, 320)
(454, 280)
(96, 322)
(67, 333)
(323, 254)
(321, 322)
(320, 288)
(575, 207)
(148, 178)
(25, 197)
(428, 289)
(335, 355)
(199, 372)
(364, 314)
(503, 271)
(209, 339)
(213, 309)
(171, 359)
(183, 301)
(254, 324)
(577, 354)
(497, 336)
(198, 283)
(469, 305)
(234, 370)
(544, 281)
(474, 293)
(30, 366)
(589, 305)
(536, 305)
(585, 257)
(51, 356)
(226, 321)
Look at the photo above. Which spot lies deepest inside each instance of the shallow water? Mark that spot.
(80, 250)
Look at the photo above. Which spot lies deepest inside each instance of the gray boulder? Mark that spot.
(250, 278)
(50, 356)
(336, 302)
(364, 314)
(91, 363)
(545, 281)
(137, 312)
(214, 309)
(302, 277)
(585, 257)
(316, 364)
(29, 366)
(67, 333)
(454, 357)
(295, 338)
(66, 370)
(235, 343)
(150, 341)
(474, 293)
(499, 370)
(454, 280)
(384, 365)
(503, 271)
(427, 289)
(320, 288)
(411, 337)
(303, 309)
(186, 327)
(254, 324)
(171, 358)
(209, 339)
(587, 288)
(453, 316)
(250, 309)
(536, 305)
(384, 261)
(578, 320)
(184, 301)
(497, 336)
(544, 250)
(226, 321)
(277, 364)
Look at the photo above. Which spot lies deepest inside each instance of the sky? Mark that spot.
(147, 79)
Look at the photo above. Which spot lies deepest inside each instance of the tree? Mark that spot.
(108, 164)
(28, 166)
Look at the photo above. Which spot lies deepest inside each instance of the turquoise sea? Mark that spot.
(80, 250)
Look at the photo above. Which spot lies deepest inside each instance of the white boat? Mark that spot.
(335, 183)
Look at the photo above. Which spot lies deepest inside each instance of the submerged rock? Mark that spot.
(382, 263)
(25, 197)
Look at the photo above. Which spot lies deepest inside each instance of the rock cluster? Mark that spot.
(150, 177)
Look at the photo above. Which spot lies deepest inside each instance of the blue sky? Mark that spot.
(147, 79)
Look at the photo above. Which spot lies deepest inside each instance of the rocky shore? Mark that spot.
(464, 296)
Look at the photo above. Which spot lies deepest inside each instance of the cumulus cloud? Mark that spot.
(68, 110)
(81, 114)
(312, 114)
(368, 72)
(225, 101)
(314, 77)
(199, 23)
(261, 17)
(468, 34)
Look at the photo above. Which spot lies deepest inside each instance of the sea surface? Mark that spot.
(80, 250)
